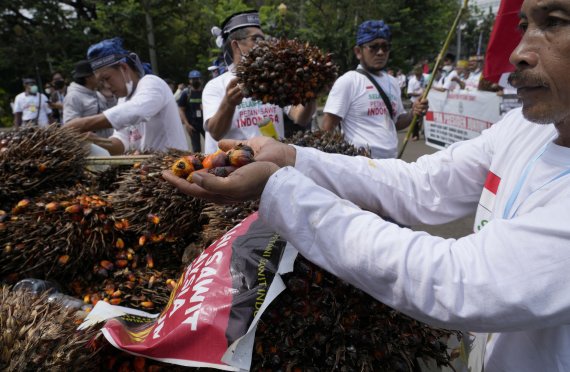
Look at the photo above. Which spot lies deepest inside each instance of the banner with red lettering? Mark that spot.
(458, 116)
(215, 308)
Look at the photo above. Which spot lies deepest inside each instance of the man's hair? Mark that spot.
(227, 47)
(81, 80)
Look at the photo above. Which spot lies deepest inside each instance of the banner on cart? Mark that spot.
(463, 115)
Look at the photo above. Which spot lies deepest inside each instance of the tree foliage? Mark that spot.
(41, 37)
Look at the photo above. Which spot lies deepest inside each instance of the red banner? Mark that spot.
(504, 39)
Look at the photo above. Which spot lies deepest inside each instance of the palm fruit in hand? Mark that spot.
(285, 72)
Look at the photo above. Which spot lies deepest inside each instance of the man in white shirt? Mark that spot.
(227, 114)
(146, 117)
(366, 119)
(31, 107)
(509, 279)
(475, 73)
(415, 90)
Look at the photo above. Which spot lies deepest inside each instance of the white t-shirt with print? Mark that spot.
(472, 82)
(149, 120)
(246, 116)
(29, 104)
(365, 119)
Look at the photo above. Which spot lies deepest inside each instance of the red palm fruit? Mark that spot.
(182, 167)
(75, 208)
(149, 261)
(196, 163)
(222, 171)
(121, 263)
(120, 244)
(153, 218)
(217, 159)
(147, 304)
(241, 155)
(107, 265)
(52, 207)
(115, 301)
(63, 260)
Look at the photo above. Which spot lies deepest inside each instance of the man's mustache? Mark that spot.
(524, 79)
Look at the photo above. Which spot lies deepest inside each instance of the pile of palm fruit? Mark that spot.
(285, 72)
(130, 245)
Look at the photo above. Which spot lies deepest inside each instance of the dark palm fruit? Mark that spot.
(241, 155)
(217, 159)
(222, 171)
(285, 72)
(195, 161)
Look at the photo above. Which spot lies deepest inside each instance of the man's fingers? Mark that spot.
(228, 144)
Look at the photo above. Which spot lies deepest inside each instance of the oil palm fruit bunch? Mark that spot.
(220, 219)
(219, 163)
(34, 160)
(38, 335)
(285, 72)
(327, 141)
(142, 288)
(319, 320)
(56, 235)
(156, 211)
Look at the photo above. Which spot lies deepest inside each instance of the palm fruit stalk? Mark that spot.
(56, 235)
(34, 160)
(156, 210)
(285, 72)
(37, 335)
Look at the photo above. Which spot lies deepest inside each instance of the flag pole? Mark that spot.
(432, 77)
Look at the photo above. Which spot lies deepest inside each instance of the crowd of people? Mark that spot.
(505, 283)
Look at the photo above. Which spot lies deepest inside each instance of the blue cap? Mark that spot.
(194, 74)
(371, 30)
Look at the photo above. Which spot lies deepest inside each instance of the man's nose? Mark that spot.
(526, 54)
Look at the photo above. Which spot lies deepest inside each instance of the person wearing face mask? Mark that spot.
(227, 114)
(449, 79)
(190, 106)
(146, 117)
(31, 107)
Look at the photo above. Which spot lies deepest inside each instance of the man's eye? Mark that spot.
(555, 22)
(522, 26)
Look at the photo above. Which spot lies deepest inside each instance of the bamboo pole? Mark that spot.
(116, 160)
(432, 77)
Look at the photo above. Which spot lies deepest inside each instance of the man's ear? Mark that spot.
(357, 52)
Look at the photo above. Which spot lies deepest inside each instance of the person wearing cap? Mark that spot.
(367, 102)
(83, 99)
(227, 114)
(449, 79)
(146, 117)
(31, 107)
(190, 106)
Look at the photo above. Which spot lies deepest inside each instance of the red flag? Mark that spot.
(504, 39)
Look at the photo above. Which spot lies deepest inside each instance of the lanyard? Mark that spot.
(522, 179)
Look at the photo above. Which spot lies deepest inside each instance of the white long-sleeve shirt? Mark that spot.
(511, 277)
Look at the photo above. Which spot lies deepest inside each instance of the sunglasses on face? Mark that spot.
(374, 48)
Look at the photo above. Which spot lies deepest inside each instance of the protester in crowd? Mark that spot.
(146, 117)
(57, 96)
(475, 73)
(368, 101)
(415, 90)
(31, 107)
(227, 114)
(83, 99)
(449, 79)
(508, 279)
(190, 106)
(179, 89)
